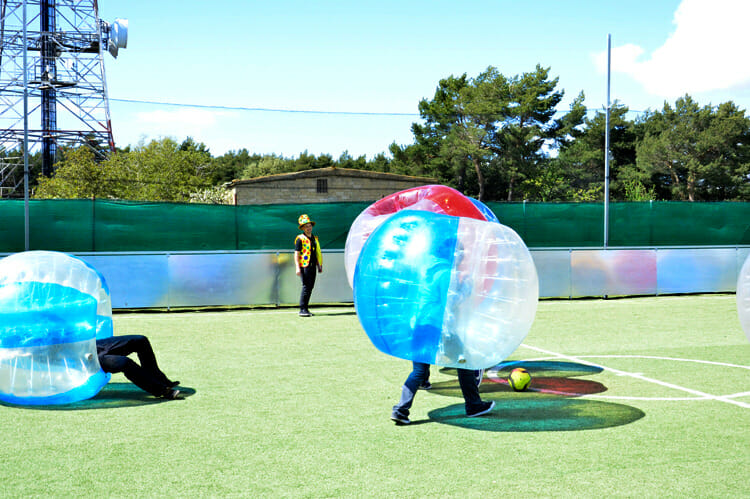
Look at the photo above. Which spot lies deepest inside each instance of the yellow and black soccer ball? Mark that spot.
(519, 379)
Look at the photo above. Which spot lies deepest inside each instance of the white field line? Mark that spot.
(719, 398)
(723, 364)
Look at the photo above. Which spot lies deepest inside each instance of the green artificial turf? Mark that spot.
(641, 397)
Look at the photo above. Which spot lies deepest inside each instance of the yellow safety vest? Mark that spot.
(304, 255)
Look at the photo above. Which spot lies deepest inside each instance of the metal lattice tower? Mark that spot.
(67, 92)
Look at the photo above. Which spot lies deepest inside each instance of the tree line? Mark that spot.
(494, 137)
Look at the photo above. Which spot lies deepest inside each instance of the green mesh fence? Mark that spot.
(553, 224)
(275, 226)
(679, 224)
(88, 226)
(544, 225)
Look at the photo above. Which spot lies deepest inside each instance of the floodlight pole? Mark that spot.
(25, 134)
(606, 149)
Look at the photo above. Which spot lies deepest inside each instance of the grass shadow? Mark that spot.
(551, 403)
(332, 314)
(530, 414)
(113, 395)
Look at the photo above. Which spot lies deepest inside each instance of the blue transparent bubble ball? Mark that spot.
(444, 290)
(485, 210)
(53, 306)
(433, 198)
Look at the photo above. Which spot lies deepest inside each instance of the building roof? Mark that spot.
(331, 171)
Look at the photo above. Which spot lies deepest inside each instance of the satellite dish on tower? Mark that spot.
(118, 36)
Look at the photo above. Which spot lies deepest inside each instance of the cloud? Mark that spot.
(704, 53)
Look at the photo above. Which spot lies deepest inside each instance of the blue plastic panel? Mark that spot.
(697, 270)
(153, 280)
(612, 272)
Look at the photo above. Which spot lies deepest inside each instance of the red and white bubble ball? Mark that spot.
(437, 279)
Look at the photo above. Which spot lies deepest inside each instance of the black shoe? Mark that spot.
(172, 394)
(304, 313)
(172, 384)
(399, 418)
(425, 386)
(483, 409)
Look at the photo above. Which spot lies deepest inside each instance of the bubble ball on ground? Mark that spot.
(53, 307)
(445, 290)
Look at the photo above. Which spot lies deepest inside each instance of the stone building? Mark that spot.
(322, 185)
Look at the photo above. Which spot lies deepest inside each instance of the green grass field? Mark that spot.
(640, 397)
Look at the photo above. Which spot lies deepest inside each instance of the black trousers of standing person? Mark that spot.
(308, 283)
(113, 357)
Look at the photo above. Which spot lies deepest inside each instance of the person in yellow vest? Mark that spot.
(308, 260)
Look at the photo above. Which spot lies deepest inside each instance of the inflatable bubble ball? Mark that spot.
(444, 290)
(432, 198)
(53, 307)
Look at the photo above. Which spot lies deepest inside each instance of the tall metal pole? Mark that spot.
(25, 134)
(606, 149)
(48, 71)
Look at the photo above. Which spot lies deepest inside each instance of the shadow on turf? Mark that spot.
(113, 395)
(331, 314)
(551, 403)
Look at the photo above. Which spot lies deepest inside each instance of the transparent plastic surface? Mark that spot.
(432, 198)
(53, 306)
(50, 374)
(485, 210)
(444, 290)
(104, 327)
(66, 270)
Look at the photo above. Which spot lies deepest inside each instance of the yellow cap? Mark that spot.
(304, 219)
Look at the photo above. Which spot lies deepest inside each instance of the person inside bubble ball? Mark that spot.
(473, 403)
(113, 358)
(464, 280)
(468, 379)
(308, 260)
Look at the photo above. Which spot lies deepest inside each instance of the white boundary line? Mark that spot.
(723, 364)
(702, 395)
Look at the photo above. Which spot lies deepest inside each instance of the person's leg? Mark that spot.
(426, 385)
(472, 401)
(420, 372)
(140, 345)
(303, 293)
(140, 377)
(308, 283)
(478, 376)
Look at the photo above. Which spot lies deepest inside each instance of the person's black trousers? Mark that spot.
(113, 357)
(308, 283)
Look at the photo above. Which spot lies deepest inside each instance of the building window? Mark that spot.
(322, 186)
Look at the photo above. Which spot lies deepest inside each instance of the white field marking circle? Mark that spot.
(697, 395)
